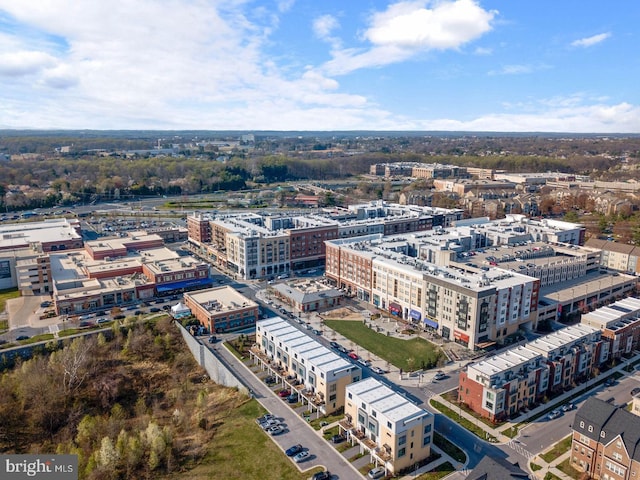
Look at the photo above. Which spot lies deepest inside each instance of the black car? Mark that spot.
(338, 439)
(22, 337)
(321, 476)
(635, 391)
(294, 450)
(334, 345)
(119, 317)
(154, 310)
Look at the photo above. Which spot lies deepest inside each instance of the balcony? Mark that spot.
(383, 454)
(346, 424)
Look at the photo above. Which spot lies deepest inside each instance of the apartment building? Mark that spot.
(471, 308)
(617, 256)
(605, 442)
(394, 432)
(255, 246)
(502, 385)
(291, 352)
(222, 309)
(172, 275)
(619, 324)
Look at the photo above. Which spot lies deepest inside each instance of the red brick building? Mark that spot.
(308, 247)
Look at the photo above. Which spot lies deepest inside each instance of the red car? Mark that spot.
(284, 393)
(352, 355)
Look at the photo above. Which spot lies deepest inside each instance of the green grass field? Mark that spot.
(241, 450)
(7, 295)
(408, 355)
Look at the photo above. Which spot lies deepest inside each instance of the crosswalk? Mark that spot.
(54, 329)
(520, 448)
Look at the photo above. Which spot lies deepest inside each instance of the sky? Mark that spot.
(455, 65)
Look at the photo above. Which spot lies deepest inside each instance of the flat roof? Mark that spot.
(223, 298)
(390, 404)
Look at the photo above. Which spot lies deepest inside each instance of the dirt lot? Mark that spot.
(342, 313)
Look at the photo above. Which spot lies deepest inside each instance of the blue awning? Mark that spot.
(430, 323)
(200, 282)
(415, 314)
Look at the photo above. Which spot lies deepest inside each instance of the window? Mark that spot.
(402, 440)
(389, 425)
(581, 424)
(426, 440)
(350, 395)
(591, 428)
(427, 428)
(617, 456)
(402, 452)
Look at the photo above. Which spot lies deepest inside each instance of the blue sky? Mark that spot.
(473, 65)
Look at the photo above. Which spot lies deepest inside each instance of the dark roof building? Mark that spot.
(496, 469)
(606, 441)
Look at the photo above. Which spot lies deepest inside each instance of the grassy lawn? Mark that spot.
(565, 467)
(534, 467)
(328, 419)
(7, 295)
(240, 450)
(449, 448)
(551, 476)
(408, 355)
(558, 449)
(439, 472)
(462, 421)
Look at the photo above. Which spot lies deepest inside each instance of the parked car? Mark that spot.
(22, 337)
(302, 456)
(212, 339)
(284, 393)
(635, 391)
(270, 379)
(363, 362)
(45, 304)
(321, 476)
(610, 382)
(264, 418)
(293, 398)
(439, 376)
(119, 317)
(293, 450)
(375, 473)
(352, 355)
(554, 414)
(276, 430)
(335, 345)
(317, 332)
(570, 406)
(270, 424)
(338, 439)
(378, 370)
(155, 310)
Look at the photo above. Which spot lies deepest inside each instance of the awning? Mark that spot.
(415, 314)
(200, 282)
(461, 336)
(430, 323)
(395, 308)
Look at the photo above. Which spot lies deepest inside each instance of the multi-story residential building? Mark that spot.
(437, 170)
(619, 324)
(393, 431)
(323, 373)
(605, 442)
(199, 228)
(254, 246)
(471, 308)
(617, 256)
(222, 309)
(502, 385)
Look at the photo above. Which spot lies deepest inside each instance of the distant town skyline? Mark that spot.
(440, 65)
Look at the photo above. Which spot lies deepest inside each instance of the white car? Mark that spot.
(302, 456)
(377, 370)
(277, 430)
(439, 376)
(375, 473)
(554, 414)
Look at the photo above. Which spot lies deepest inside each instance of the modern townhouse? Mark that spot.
(318, 374)
(393, 431)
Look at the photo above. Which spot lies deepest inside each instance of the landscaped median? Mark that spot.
(457, 416)
(408, 355)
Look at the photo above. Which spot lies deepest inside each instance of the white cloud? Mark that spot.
(21, 63)
(590, 41)
(483, 51)
(324, 25)
(406, 29)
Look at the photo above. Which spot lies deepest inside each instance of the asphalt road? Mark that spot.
(297, 429)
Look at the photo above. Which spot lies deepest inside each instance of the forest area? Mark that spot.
(131, 404)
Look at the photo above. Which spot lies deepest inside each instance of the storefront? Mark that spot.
(395, 309)
(461, 338)
(415, 315)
